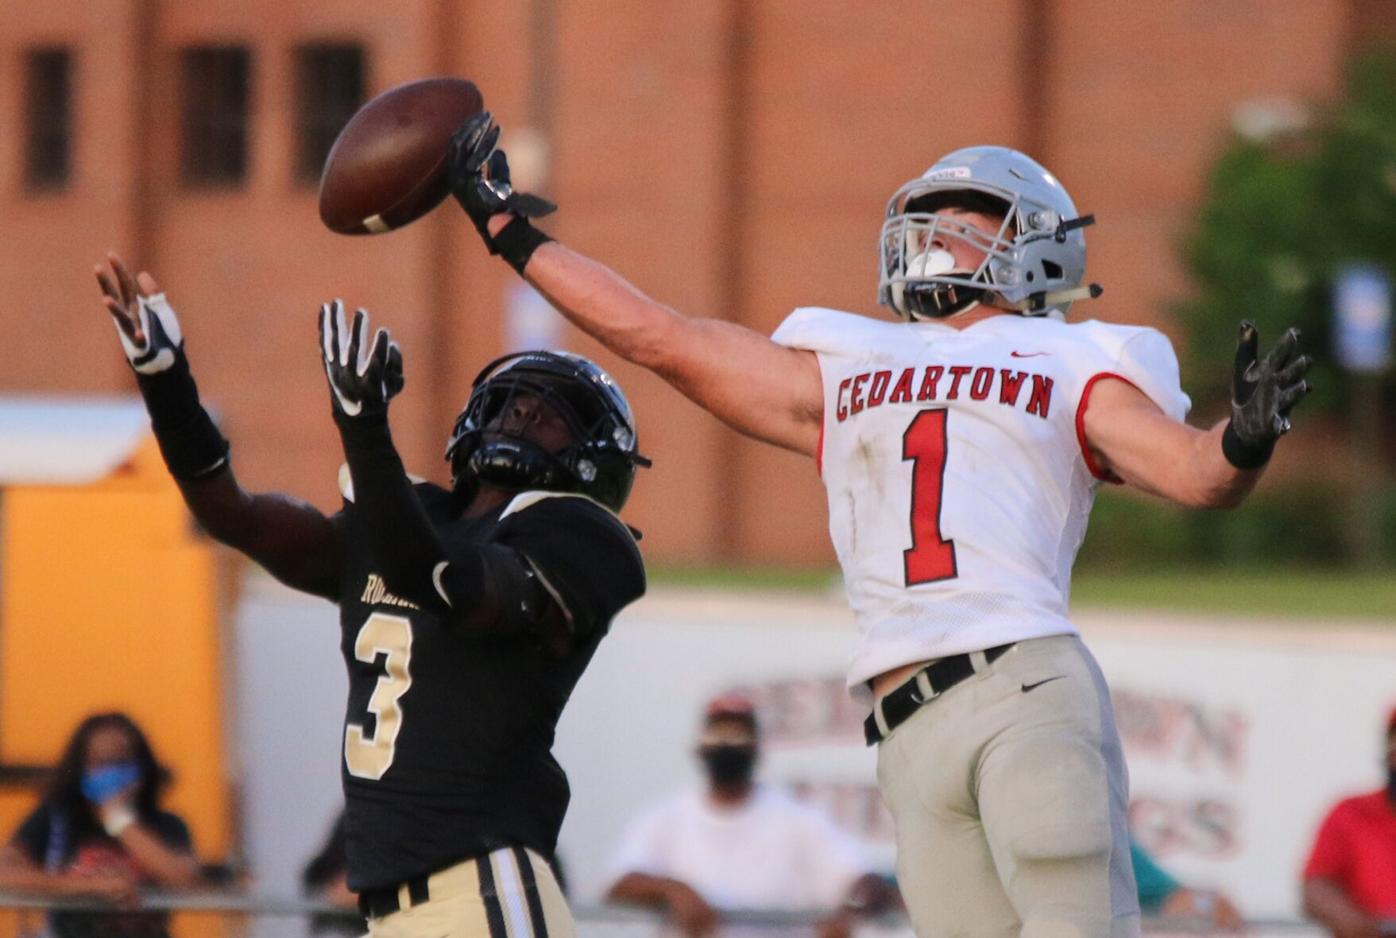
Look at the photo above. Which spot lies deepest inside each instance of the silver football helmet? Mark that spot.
(1034, 263)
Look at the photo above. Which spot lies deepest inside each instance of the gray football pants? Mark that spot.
(1009, 794)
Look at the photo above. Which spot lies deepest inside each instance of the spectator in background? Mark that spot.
(100, 833)
(1162, 896)
(739, 845)
(1350, 879)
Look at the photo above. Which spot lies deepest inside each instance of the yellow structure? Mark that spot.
(108, 601)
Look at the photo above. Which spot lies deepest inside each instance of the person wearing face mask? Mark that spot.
(737, 844)
(100, 833)
(1350, 878)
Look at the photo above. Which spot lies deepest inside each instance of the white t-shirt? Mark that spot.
(770, 853)
(957, 474)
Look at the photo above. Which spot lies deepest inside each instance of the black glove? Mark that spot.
(1262, 394)
(479, 178)
(363, 376)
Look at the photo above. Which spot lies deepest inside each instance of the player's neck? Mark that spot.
(730, 796)
(487, 499)
(978, 314)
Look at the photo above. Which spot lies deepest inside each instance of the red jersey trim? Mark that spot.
(1095, 467)
(823, 413)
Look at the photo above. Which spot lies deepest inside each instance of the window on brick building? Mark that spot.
(330, 80)
(48, 118)
(216, 92)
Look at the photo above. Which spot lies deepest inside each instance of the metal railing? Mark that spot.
(237, 915)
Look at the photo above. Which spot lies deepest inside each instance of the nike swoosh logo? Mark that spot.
(1028, 354)
(1028, 687)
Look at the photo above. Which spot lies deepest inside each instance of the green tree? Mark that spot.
(1280, 217)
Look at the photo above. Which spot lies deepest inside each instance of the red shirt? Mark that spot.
(1356, 850)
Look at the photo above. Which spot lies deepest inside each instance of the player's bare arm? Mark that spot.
(1131, 437)
(291, 539)
(757, 387)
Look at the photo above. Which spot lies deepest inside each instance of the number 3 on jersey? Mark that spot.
(382, 634)
(930, 556)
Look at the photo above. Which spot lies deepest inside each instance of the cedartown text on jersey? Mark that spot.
(853, 399)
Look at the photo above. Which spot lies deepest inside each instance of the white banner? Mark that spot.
(1239, 735)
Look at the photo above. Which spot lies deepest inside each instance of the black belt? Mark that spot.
(376, 903)
(908, 698)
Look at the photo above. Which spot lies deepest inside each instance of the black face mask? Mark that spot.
(1391, 784)
(729, 766)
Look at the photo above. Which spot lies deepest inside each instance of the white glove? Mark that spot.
(159, 327)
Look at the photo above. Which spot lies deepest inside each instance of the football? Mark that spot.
(387, 167)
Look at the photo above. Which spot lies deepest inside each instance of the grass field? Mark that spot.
(1290, 592)
(1286, 592)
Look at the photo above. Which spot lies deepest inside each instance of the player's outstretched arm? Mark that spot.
(293, 540)
(364, 374)
(482, 587)
(757, 387)
(1130, 436)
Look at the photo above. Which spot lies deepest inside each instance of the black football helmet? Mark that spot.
(599, 462)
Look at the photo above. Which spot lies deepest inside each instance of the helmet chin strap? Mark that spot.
(945, 299)
(512, 463)
(946, 296)
(949, 297)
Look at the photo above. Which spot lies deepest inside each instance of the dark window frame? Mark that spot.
(331, 84)
(48, 118)
(216, 83)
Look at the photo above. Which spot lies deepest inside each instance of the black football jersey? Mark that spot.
(448, 730)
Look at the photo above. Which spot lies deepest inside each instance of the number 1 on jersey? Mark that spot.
(930, 556)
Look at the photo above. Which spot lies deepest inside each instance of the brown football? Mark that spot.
(388, 165)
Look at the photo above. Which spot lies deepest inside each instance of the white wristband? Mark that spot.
(117, 820)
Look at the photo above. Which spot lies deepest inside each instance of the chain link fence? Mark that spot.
(224, 915)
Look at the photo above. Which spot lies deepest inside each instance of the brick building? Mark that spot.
(732, 157)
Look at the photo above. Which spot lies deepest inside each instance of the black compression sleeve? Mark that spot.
(404, 543)
(189, 441)
(492, 586)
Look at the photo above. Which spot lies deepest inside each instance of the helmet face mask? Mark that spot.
(928, 284)
(1037, 253)
(598, 459)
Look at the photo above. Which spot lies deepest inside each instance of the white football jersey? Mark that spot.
(958, 478)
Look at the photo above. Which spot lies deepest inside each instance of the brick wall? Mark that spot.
(732, 158)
